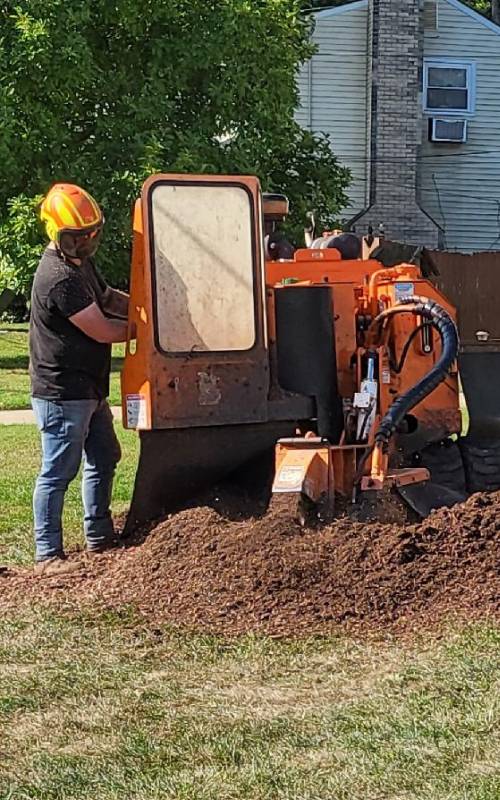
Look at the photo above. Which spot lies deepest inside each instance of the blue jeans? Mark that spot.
(71, 429)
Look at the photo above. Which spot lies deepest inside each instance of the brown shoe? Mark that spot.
(55, 566)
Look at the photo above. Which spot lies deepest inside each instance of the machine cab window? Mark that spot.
(203, 248)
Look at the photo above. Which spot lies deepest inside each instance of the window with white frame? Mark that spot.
(449, 86)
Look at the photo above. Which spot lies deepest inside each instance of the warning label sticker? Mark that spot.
(290, 478)
(136, 411)
(402, 290)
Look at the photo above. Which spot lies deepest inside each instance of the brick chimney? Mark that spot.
(395, 124)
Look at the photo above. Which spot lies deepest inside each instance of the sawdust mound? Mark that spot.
(206, 570)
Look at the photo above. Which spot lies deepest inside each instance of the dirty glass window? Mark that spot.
(449, 87)
(202, 239)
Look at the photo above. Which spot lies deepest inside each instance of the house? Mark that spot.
(409, 93)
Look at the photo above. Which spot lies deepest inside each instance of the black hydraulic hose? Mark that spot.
(447, 330)
(397, 367)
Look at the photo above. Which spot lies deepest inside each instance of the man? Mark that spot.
(75, 317)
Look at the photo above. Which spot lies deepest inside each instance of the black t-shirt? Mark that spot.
(65, 364)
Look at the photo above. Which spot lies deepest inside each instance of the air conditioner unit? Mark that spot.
(448, 130)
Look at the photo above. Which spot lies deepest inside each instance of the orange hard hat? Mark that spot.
(71, 216)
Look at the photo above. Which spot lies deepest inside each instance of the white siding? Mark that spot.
(460, 184)
(337, 104)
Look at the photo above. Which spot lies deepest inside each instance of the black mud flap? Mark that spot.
(426, 497)
(480, 376)
(480, 448)
(176, 465)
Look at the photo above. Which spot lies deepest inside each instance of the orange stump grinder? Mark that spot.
(238, 344)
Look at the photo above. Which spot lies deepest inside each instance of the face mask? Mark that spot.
(80, 244)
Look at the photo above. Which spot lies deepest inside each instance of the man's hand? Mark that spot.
(115, 303)
(95, 325)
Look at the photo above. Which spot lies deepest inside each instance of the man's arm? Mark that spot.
(115, 302)
(92, 322)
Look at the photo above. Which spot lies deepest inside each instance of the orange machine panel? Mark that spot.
(362, 289)
(199, 384)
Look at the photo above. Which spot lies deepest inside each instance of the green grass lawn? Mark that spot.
(14, 379)
(19, 461)
(104, 707)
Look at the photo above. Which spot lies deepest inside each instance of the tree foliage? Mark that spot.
(103, 94)
(483, 6)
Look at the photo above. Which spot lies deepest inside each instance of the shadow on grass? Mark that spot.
(14, 362)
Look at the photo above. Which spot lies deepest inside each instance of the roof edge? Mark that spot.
(325, 13)
(475, 15)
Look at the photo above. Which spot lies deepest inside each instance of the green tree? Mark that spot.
(103, 94)
(483, 6)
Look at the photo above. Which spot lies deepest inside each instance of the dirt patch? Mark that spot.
(226, 569)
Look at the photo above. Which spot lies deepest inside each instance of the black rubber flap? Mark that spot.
(176, 465)
(428, 496)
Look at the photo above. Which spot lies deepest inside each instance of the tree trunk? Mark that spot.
(495, 11)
